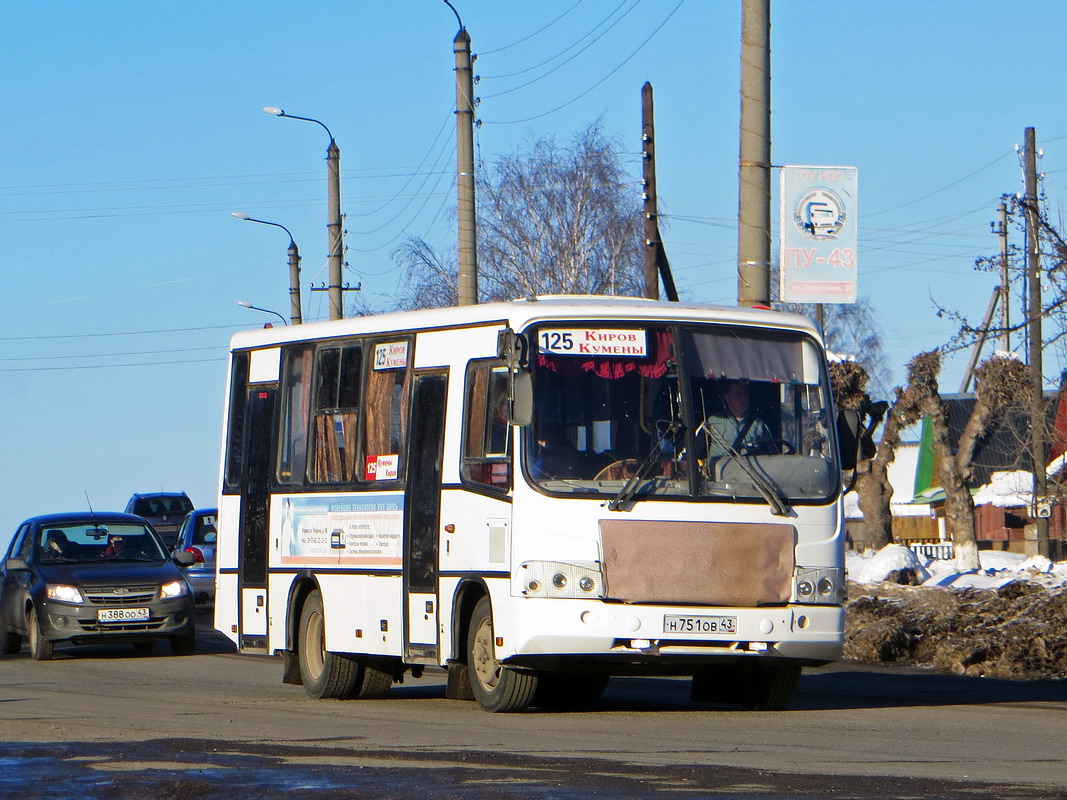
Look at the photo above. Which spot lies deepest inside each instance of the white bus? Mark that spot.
(536, 496)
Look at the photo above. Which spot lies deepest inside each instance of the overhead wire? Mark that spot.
(535, 33)
(560, 53)
(578, 97)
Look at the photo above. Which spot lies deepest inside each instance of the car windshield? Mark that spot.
(92, 542)
(720, 412)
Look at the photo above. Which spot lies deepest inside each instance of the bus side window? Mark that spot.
(296, 386)
(235, 436)
(385, 423)
(487, 439)
(335, 415)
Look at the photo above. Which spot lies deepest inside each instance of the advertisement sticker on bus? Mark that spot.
(363, 529)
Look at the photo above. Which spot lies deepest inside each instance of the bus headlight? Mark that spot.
(819, 585)
(558, 579)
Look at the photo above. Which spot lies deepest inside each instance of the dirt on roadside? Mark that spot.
(1018, 631)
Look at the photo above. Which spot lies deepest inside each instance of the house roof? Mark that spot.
(1003, 448)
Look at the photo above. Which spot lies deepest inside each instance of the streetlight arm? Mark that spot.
(246, 304)
(247, 218)
(280, 113)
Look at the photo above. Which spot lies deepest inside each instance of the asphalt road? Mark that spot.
(108, 722)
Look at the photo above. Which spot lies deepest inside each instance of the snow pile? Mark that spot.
(898, 564)
(1007, 490)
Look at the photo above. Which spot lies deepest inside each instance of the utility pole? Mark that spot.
(1038, 434)
(465, 203)
(754, 171)
(1005, 290)
(657, 267)
(333, 225)
(648, 145)
(295, 317)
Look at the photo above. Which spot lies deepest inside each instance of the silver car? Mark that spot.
(196, 536)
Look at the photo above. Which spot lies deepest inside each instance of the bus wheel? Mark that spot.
(323, 674)
(372, 682)
(772, 686)
(495, 686)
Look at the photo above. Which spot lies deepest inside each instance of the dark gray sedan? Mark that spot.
(89, 578)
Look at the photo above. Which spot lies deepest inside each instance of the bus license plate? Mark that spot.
(122, 615)
(678, 624)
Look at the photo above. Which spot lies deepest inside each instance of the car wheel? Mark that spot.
(40, 648)
(496, 687)
(10, 643)
(324, 674)
(183, 645)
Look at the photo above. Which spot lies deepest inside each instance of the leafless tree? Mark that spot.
(999, 381)
(553, 218)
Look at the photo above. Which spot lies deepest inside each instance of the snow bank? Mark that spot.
(1007, 490)
(998, 569)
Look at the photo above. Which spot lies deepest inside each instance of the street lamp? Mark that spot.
(246, 304)
(333, 214)
(294, 268)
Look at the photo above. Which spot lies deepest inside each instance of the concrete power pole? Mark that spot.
(1039, 436)
(648, 145)
(1005, 289)
(754, 172)
(333, 224)
(465, 202)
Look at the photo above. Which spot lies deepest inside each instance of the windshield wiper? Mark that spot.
(629, 489)
(778, 504)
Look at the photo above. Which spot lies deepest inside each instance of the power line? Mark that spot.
(111, 355)
(575, 99)
(119, 333)
(560, 53)
(535, 33)
(168, 363)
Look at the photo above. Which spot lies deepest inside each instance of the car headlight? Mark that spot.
(558, 579)
(819, 585)
(63, 593)
(173, 589)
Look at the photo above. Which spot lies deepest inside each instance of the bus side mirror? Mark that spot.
(521, 398)
(849, 435)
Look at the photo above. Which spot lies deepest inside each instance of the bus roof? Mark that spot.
(519, 314)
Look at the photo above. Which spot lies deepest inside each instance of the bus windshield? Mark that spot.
(718, 412)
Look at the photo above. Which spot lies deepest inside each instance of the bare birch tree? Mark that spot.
(553, 218)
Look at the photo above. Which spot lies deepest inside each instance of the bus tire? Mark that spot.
(324, 674)
(40, 648)
(496, 687)
(371, 682)
(772, 687)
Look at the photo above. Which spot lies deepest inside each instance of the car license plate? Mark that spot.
(122, 615)
(677, 624)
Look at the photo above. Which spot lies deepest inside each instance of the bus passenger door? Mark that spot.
(255, 520)
(422, 514)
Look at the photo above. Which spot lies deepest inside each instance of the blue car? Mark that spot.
(93, 578)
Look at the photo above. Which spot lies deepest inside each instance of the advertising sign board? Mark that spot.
(817, 261)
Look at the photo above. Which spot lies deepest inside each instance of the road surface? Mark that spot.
(107, 722)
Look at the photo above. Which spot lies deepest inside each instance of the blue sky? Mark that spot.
(132, 130)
